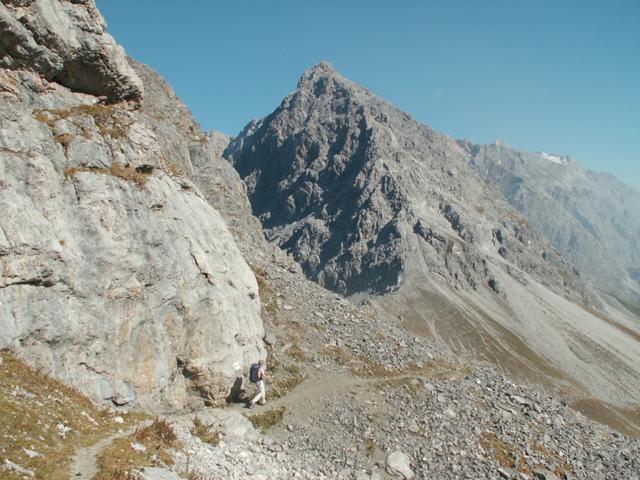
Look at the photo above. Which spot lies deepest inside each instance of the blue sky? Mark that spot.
(555, 76)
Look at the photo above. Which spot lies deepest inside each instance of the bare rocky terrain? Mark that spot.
(382, 209)
(132, 269)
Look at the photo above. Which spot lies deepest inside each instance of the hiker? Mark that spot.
(257, 375)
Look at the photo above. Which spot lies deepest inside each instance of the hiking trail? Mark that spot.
(85, 461)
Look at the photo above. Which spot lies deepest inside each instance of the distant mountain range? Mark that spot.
(592, 218)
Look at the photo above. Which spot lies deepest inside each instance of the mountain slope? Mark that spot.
(378, 207)
(596, 219)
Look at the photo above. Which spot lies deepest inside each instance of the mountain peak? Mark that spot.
(323, 67)
(322, 70)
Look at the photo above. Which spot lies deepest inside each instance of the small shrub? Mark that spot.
(204, 432)
(159, 431)
(296, 352)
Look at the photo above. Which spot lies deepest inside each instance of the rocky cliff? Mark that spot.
(116, 274)
(380, 208)
(595, 221)
(66, 42)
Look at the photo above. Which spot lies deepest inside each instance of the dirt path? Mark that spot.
(317, 388)
(85, 462)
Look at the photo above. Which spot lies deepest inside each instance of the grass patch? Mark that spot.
(125, 172)
(120, 459)
(504, 453)
(264, 421)
(109, 120)
(286, 375)
(204, 432)
(297, 353)
(283, 386)
(562, 466)
(49, 419)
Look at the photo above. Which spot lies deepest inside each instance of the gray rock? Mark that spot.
(117, 275)
(399, 464)
(270, 339)
(544, 475)
(66, 41)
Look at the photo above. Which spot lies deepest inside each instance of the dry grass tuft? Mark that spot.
(204, 432)
(264, 421)
(172, 169)
(503, 452)
(63, 139)
(110, 120)
(125, 172)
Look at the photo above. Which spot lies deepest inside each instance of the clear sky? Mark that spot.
(561, 76)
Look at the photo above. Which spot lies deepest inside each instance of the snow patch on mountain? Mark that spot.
(561, 160)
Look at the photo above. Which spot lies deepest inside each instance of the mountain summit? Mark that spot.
(378, 207)
(361, 187)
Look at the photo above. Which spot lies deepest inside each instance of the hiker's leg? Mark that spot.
(263, 393)
(260, 392)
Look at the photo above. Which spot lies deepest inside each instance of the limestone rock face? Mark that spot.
(116, 274)
(224, 189)
(66, 41)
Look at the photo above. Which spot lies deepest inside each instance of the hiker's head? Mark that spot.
(261, 362)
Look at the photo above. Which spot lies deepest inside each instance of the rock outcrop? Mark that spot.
(380, 208)
(66, 41)
(595, 221)
(116, 274)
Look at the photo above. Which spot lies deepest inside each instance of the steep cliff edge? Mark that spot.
(116, 274)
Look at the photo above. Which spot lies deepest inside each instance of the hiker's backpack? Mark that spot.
(253, 373)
